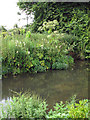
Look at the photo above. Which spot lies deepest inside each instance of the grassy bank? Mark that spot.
(36, 52)
(31, 106)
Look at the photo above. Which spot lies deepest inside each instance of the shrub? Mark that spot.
(23, 106)
(31, 106)
(78, 110)
(34, 53)
(70, 109)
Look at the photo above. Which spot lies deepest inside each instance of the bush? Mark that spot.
(78, 110)
(71, 109)
(77, 38)
(34, 53)
(23, 106)
(31, 106)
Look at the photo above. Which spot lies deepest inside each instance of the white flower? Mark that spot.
(62, 34)
(41, 46)
(60, 46)
(55, 22)
(20, 42)
(63, 114)
(56, 32)
(16, 41)
(16, 44)
(58, 114)
(44, 23)
(28, 52)
(24, 43)
(48, 36)
(17, 52)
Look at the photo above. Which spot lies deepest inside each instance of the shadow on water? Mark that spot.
(53, 85)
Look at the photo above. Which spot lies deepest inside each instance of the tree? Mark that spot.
(62, 12)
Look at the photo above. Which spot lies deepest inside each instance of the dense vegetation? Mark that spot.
(73, 19)
(73, 14)
(31, 106)
(35, 52)
(60, 34)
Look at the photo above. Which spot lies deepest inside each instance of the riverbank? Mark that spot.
(34, 53)
(52, 85)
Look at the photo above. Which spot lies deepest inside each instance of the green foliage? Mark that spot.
(60, 111)
(34, 53)
(78, 110)
(23, 106)
(28, 35)
(73, 18)
(31, 106)
(17, 31)
(63, 62)
(71, 109)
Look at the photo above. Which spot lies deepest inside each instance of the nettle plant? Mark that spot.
(49, 26)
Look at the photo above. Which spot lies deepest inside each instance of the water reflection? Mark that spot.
(53, 86)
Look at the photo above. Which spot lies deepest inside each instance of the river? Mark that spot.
(53, 85)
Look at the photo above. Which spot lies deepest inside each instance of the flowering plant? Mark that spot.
(49, 26)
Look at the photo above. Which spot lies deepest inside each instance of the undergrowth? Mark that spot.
(31, 106)
(34, 53)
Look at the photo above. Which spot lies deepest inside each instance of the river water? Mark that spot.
(53, 85)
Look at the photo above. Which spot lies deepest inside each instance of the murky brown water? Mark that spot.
(53, 85)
